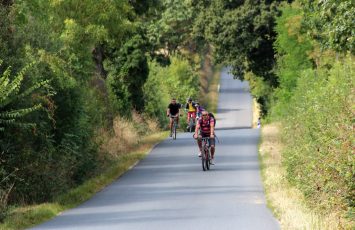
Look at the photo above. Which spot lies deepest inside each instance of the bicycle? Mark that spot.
(174, 126)
(191, 124)
(206, 153)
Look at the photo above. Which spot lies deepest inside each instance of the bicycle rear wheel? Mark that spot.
(191, 124)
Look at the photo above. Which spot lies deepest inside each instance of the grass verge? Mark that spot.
(256, 113)
(24, 217)
(287, 202)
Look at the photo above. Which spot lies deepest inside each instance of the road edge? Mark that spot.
(32, 215)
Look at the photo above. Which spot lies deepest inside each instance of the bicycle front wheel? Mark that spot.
(203, 160)
(208, 158)
(174, 132)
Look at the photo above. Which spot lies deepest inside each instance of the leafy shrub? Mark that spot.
(156, 92)
(331, 23)
(177, 80)
(293, 49)
(10, 94)
(319, 136)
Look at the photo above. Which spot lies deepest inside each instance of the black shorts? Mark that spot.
(211, 140)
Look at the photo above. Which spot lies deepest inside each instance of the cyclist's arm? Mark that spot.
(197, 129)
(212, 130)
(168, 112)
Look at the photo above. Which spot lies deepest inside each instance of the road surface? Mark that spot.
(169, 190)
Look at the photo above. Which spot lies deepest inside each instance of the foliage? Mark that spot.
(95, 55)
(319, 135)
(10, 93)
(172, 28)
(242, 34)
(314, 102)
(128, 73)
(11, 116)
(177, 80)
(181, 79)
(293, 56)
(156, 94)
(331, 23)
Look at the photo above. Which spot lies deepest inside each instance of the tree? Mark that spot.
(173, 28)
(242, 35)
(128, 73)
(331, 23)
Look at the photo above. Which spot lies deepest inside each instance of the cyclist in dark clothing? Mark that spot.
(174, 110)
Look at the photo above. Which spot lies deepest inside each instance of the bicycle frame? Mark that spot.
(174, 125)
(206, 153)
(192, 122)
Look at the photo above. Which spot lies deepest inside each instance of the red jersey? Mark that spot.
(205, 125)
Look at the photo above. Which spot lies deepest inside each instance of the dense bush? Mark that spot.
(102, 88)
(331, 23)
(319, 136)
(315, 104)
(293, 48)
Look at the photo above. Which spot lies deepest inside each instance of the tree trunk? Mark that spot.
(99, 56)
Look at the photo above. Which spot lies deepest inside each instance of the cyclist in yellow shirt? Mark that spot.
(191, 110)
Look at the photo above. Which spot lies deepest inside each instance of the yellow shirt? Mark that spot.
(191, 108)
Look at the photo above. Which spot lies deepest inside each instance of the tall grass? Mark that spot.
(287, 202)
(123, 138)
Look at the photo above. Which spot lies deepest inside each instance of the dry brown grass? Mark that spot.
(121, 140)
(256, 113)
(125, 135)
(209, 81)
(287, 202)
(153, 125)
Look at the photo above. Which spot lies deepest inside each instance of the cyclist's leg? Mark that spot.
(188, 117)
(193, 115)
(199, 144)
(213, 148)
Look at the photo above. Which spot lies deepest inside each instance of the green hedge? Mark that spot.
(315, 102)
(319, 136)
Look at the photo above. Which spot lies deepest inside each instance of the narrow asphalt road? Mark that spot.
(169, 190)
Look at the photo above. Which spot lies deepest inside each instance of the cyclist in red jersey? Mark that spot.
(206, 126)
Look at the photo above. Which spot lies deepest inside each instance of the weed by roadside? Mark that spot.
(287, 202)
